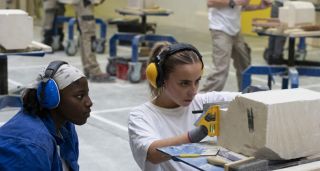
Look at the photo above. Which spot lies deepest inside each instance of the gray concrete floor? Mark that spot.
(104, 139)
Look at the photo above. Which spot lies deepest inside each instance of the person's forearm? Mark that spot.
(155, 156)
(217, 3)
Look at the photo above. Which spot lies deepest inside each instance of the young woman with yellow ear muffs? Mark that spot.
(174, 72)
(155, 69)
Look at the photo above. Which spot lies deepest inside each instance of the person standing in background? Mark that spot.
(52, 9)
(87, 24)
(227, 41)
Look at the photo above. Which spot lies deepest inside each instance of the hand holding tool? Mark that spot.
(210, 120)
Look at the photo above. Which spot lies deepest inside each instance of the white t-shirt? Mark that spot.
(148, 123)
(64, 164)
(225, 19)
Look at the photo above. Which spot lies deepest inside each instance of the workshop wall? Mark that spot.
(33, 8)
(191, 15)
(247, 16)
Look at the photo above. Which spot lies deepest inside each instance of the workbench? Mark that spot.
(5, 98)
(292, 70)
(207, 147)
(199, 163)
(136, 39)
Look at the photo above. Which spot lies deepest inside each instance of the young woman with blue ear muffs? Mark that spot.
(174, 72)
(42, 135)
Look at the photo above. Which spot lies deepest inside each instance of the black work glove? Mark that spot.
(197, 134)
(251, 89)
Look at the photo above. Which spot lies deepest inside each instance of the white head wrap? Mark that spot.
(65, 75)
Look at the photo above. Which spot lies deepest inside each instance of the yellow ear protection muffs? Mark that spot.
(154, 71)
(48, 90)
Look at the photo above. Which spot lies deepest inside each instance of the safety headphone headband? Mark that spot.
(53, 68)
(48, 90)
(175, 48)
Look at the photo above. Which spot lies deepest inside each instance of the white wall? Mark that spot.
(190, 14)
(186, 13)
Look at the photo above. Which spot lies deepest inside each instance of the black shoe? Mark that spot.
(102, 78)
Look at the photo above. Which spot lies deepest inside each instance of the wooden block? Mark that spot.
(276, 124)
(217, 160)
(78, 1)
(232, 165)
(69, 1)
(16, 29)
(315, 42)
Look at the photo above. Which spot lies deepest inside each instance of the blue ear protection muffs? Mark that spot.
(154, 71)
(48, 90)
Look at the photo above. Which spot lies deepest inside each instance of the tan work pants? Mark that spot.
(225, 47)
(87, 25)
(52, 8)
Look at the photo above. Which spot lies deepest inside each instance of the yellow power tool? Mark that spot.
(210, 117)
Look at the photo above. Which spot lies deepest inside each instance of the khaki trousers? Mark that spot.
(52, 8)
(225, 48)
(86, 22)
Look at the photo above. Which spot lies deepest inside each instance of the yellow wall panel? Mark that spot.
(247, 16)
(106, 10)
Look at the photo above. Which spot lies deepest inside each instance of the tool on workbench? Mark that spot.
(211, 152)
(228, 155)
(231, 162)
(186, 155)
(223, 157)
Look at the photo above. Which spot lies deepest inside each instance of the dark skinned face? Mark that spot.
(74, 103)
